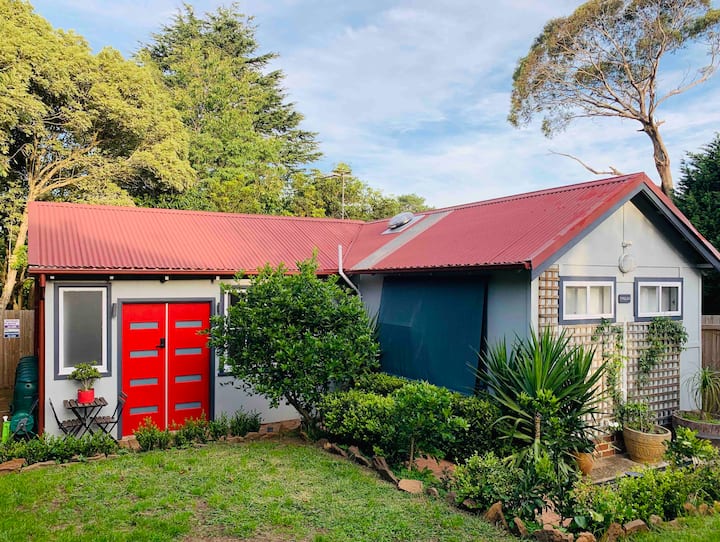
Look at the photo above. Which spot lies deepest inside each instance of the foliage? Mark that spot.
(653, 491)
(482, 435)
(637, 415)
(294, 337)
(245, 137)
(219, 427)
(664, 335)
(487, 479)
(379, 383)
(241, 423)
(47, 447)
(86, 374)
(423, 418)
(686, 447)
(698, 197)
(604, 60)
(264, 490)
(361, 418)
(610, 338)
(72, 123)
(547, 393)
(149, 436)
(192, 431)
(705, 384)
(340, 194)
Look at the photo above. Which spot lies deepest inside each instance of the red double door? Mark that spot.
(165, 363)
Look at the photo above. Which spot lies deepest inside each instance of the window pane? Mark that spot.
(648, 301)
(575, 300)
(600, 301)
(670, 295)
(82, 320)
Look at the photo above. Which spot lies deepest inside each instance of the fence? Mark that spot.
(18, 340)
(711, 341)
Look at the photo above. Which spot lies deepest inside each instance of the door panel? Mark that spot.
(143, 364)
(188, 362)
(165, 363)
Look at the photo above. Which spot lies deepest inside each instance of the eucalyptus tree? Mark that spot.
(607, 59)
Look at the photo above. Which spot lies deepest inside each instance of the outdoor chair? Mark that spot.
(108, 423)
(69, 427)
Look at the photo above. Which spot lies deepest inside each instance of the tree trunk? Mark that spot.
(661, 157)
(12, 271)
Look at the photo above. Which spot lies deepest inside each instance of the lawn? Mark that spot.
(694, 529)
(267, 490)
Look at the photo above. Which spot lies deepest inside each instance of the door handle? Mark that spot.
(162, 343)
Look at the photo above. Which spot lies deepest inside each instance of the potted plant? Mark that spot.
(705, 386)
(86, 374)
(644, 439)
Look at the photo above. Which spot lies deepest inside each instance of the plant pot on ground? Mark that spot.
(644, 439)
(705, 386)
(86, 374)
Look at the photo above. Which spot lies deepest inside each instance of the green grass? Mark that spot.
(268, 490)
(694, 529)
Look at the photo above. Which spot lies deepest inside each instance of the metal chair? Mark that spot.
(69, 427)
(108, 423)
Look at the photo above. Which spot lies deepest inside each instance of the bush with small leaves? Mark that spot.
(486, 479)
(379, 383)
(241, 423)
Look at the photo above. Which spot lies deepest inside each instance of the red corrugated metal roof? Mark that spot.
(526, 230)
(98, 238)
(523, 230)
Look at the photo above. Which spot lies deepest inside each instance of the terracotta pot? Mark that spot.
(585, 462)
(86, 396)
(646, 447)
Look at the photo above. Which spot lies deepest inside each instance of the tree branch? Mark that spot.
(611, 171)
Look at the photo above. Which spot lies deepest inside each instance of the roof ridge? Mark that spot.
(533, 194)
(163, 210)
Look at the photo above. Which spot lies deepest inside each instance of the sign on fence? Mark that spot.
(11, 328)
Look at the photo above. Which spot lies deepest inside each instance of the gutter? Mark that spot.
(342, 273)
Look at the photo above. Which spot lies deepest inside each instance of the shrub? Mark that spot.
(192, 431)
(423, 419)
(379, 383)
(361, 418)
(686, 447)
(487, 479)
(481, 435)
(219, 427)
(659, 492)
(243, 423)
(148, 435)
(51, 448)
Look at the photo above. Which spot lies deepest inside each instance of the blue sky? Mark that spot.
(414, 95)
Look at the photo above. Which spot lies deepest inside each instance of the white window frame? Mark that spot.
(224, 369)
(586, 283)
(62, 370)
(658, 283)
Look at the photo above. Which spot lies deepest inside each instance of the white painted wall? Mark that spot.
(509, 305)
(598, 255)
(228, 399)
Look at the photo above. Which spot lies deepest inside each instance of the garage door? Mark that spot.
(165, 363)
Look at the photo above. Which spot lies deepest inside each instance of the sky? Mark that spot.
(414, 95)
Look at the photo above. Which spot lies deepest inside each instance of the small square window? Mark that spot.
(658, 297)
(82, 323)
(584, 300)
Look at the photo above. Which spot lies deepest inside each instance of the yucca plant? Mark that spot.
(548, 395)
(706, 385)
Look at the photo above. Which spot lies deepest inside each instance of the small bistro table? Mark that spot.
(86, 413)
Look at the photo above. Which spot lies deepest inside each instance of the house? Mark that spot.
(130, 288)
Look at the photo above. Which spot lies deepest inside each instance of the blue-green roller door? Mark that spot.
(431, 327)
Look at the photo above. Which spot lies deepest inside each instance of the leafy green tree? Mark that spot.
(698, 197)
(294, 337)
(245, 139)
(72, 124)
(604, 60)
(340, 194)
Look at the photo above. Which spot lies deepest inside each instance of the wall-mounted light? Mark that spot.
(626, 262)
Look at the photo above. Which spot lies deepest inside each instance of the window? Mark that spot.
(584, 300)
(229, 298)
(658, 297)
(82, 327)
